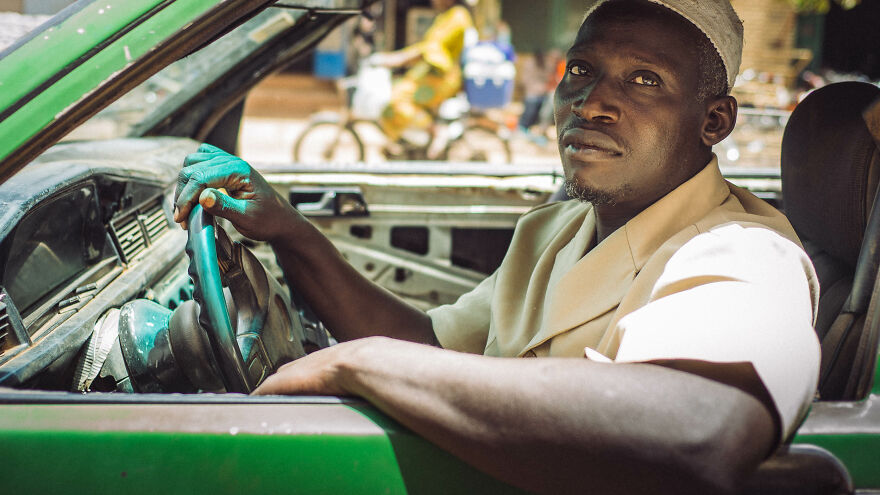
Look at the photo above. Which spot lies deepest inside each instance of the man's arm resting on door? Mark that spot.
(552, 425)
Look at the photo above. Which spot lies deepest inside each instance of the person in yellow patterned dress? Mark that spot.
(435, 72)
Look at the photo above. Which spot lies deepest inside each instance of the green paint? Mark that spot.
(427, 468)
(46, 107)
(48, 455)
(227, 165)
(858, 452)
(63, 44)
(150, 463)
(205, 260)
(875, 387)
(202, 248)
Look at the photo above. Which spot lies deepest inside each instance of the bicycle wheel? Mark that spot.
(324, 142)
(479, 144)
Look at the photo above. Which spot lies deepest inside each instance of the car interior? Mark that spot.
(121, 251)
(830, 172)
(830, 169)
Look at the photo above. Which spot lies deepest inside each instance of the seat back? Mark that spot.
(830, 173)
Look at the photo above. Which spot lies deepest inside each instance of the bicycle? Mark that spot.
(470, 136)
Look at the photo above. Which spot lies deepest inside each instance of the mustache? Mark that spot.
(589, 135)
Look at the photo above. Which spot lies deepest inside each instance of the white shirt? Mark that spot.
(709, 273)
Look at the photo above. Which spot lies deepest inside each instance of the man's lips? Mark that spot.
(585, 143)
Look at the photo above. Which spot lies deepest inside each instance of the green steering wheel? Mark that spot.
(201, 247)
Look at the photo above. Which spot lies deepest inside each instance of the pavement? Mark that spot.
(271, 140)
(278, 110)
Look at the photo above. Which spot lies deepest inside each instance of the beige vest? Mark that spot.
(550, 299)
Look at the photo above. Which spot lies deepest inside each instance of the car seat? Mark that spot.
(830, 172)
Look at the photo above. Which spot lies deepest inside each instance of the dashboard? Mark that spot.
(87, 227)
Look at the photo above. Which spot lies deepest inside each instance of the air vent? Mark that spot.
(128, 234)
(153, 218)
(140, 228)
(7, 336)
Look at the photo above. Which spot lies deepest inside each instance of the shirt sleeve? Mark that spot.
(736, 294)
(464, 325)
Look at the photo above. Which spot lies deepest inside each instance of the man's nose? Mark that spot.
(598, 102)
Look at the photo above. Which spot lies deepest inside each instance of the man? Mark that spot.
(697, 290)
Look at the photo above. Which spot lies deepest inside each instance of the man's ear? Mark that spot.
(720, 119)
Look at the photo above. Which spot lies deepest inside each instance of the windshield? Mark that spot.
(181, 80)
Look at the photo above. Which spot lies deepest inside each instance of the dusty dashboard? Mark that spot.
(83, 229)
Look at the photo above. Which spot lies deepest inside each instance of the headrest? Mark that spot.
(830, 168)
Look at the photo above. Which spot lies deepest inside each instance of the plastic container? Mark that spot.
(329, 64)
(488, 76)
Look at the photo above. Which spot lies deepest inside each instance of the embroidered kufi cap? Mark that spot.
(716, 19)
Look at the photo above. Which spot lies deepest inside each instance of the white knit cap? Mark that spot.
(716, 19)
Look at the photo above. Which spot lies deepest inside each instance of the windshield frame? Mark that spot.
(90, 68)
(190, 78)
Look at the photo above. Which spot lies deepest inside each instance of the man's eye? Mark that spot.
(646, 80)
(578, 69)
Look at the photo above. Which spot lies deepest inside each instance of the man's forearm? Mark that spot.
(568, 425)
(349, 304)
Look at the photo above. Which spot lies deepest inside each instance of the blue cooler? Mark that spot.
(329, 57)
(488, 76)
(329, 64)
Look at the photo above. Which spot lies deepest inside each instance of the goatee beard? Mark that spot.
(586, 194)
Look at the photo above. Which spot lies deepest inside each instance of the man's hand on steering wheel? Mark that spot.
(253, 207)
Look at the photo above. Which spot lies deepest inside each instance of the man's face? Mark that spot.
(627, 114)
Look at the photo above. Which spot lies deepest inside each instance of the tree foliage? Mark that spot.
(821, 6)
